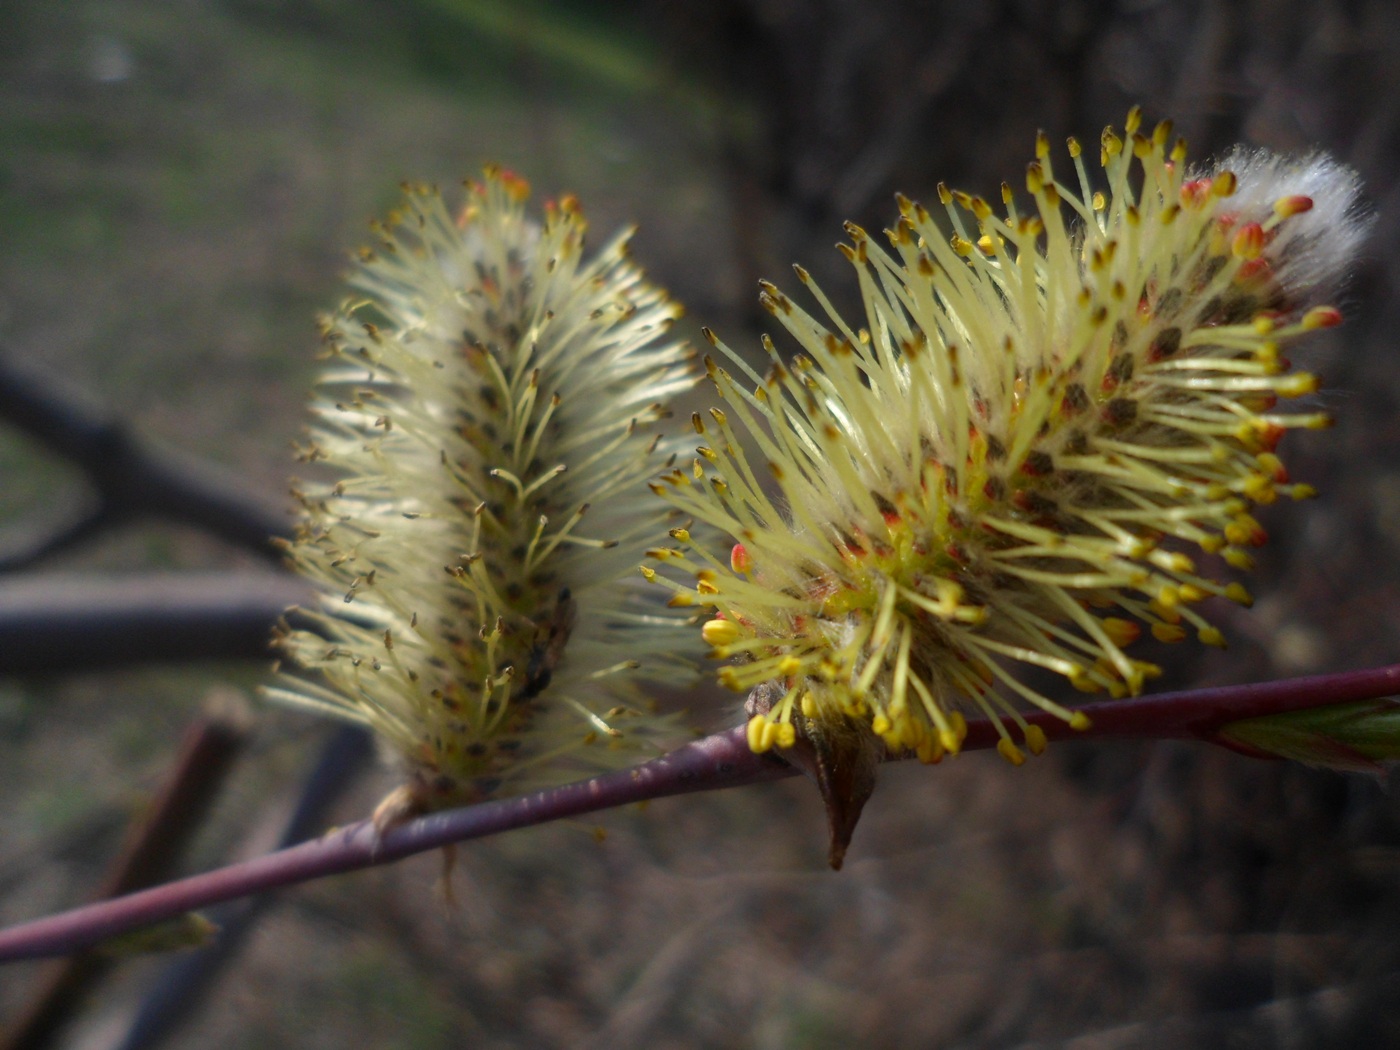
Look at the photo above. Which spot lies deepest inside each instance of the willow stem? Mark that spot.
(720, 761)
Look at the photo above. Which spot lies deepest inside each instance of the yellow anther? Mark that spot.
(787, 734)
(1011, 752)
(1238, 559)
(719, 632)
(1035, 740)
(789, 665)
(1121, 632)
(1168, 632)
(1079, 721)
(809, 704)
(754, 732)
(1211, 636)
(1166, 612)
(1236, 593)
(930, 752)
(1297, 385)
(1173, 561)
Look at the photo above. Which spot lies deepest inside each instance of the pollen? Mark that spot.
(1044, 436)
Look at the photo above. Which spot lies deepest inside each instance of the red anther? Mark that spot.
(1255, 269)
(1285, 207)
(891, 517)
(1248, 241)
(1195, 191)
(1322, 317)
(739, 560)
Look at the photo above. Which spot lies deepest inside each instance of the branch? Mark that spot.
(131, 479)
(177, 991)
(720, 761)
(65, 623)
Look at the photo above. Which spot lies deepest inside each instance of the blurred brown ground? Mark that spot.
(179, 182)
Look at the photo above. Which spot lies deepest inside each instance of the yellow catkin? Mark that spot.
(1005, 462)
(490, 412)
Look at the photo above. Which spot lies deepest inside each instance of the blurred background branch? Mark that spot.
(69, 622)
(130, 480)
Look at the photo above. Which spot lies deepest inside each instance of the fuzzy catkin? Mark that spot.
(1008, 463)
(490, 411)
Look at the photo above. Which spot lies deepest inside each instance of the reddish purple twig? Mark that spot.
(719, 761)
(154, 843)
